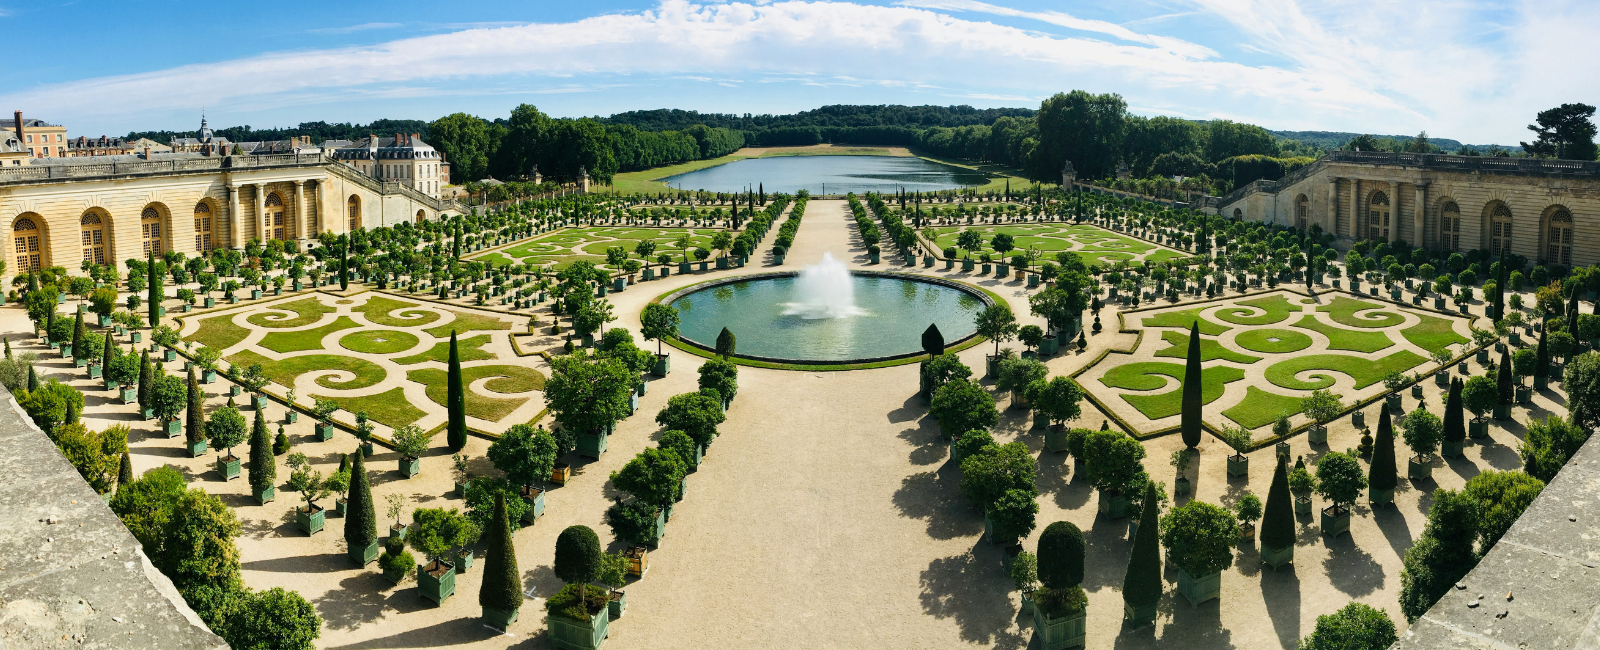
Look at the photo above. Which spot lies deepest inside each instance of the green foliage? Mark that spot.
(1016, 373)
(1549, 444)
(963, 406)
(576, 602)
(1025, 572)
(263, 469)
(1277, 523)
(588, 395)
(1200, 537)
(225, 429)
(502, 583)
(1501, 497)
(577, 557)
(942, 369)
(455, 402)
(186, 533)
(52, 405)
(1322, 406)
(1339, 478)
(1582, 383)
(1357, 626)
(695, 414)
(96, 455)
(1479, 395)
(1190, 427)
(1422, 432)
(993, 471)
(361, 520)
(1112, 460)
(652, 476)
(720, 375)
(680, 444)
(1442, 555)
(658, 322)
(1248, 509)
(480, 500)
(997, 323)
(727, 343)
(1141, 584)
(275, 619)
(1011, 516)
(1383, 474)
(1061, 553)
(435, 531)
(525, 455)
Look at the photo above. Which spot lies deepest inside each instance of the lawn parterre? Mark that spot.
(1283, 343)
(568, 245)
(1094, 245)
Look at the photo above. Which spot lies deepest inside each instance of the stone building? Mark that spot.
(40, 138)
(107, 209)
(1523, 206)
(404, 159)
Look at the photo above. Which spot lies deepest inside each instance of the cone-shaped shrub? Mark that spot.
(502, 583)
(1381, 475)
(932, 341)
(33, 379)
(125, 470)
(146, 380)
(263, 467)
(154, 294)
(456, 399)
(1191, 390)
(727, 343)
(110, 352)
(77, 336)
(1503, 381)
(361, 522)
(1277, 522)
(1455, 428)
(1141, 585)
(1061, 547)
(197, 412)
(1541, 367)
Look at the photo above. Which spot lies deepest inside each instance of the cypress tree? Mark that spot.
(125, 470)
(153, 289)
(1541, 367)
(146, 376)
(8, 346)
(1141, 585)
(77, 336)
(361, 522)
(33, 379)
(106, 354)
(344, 267)
(1061, 547)
(1572, 313)
(1503, 381)
(1500, 293)
(263, 467)
(1277, 521)
(1191, 390)
(457, 400)
(933, 341)
(196, 412)
(1455, 429)
(726, 343)
(502, 583)
(1381, 475)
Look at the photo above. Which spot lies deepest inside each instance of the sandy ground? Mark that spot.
(826, 515)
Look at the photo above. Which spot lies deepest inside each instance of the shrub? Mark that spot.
(435, 531)
(680, 444)
(1548, 445)
(1277, 523)
(1200, 537)
(524, 454)
(652, 477)
(993, 471)
(576, 602)
(1501, 497)
(695, 414)
(1059, 399)
(1422, 432)
(1061, 552)
(943, 369)
(1012, 516)
(502, 584)
(1339, 478)
(1355, 627)
(634, 520)
(480, 500)
(963, 406)
(1442, 555)
(1112, 460)
(971, 443)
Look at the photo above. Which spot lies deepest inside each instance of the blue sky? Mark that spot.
(1472, 70)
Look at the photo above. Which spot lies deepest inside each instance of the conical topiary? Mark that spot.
(456, 400)
(502, 583)
(33, 379)
(1541, 366)
(1572, 313)
(146, 379)
(1455, 429)
(1381, 475)
(1190, 426)
(1277, 521)
(932, 341)
(153, 290)
(726, 343)
(106, 354)
(77, 336)
(1141, 585)
(1503, 380)
(196, 414)
(1061, 548)
(125, 470)
(361, 518)
(263, 467)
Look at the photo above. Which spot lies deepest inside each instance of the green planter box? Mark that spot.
(310, 522)
(136, 337)
(1239, 465)
(79, 362)
(291, 416)
(1113, 506)
(147, 413)
(1416, 391)
(1302, 505)
(591, 445)
(1478, 428)
(1502, 411)
(410, 467)
(1002, 270)
(463, 561)
(1379, 497)
(1334, 521)
(234, 390)
(498, 619)
(1418, 471)
(1182, 486)
(111, 385)
(342, 507)
(535, 497)
(1277, 557)
(663, 365)
(324, 431)
(211, 302)
(169, 355)
(967, 264)
(568, 634)
(130, 395)
(197, 448)
(985, 269)
(94, 371)
(1524, 395)
(1055, 438)
(173, 428)
(1392, 401)
(436, 588)
(1050, 345)
(66, 349)
(1142, 615)
(264, 497)
(1063, 632)
(1199, 589)
(364, 556)
(1451, 448)
(618, 605)
(683, 268)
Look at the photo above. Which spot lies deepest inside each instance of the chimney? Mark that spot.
(19, 126)
(147, 153)
(414, 138)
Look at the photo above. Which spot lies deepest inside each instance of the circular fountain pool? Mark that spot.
(826, 315)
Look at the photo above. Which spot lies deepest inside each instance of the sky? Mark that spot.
(1471, 70)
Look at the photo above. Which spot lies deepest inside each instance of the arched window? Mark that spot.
(202, 227)
(1238, 214)
(92, 230)
(1378, 216)
(1302, 211)
(1500, 231)
(353, 208)
(1558, 249)
(272, 220)
(150, 230)
(1450, 226)
(25, 233)
(421, 217)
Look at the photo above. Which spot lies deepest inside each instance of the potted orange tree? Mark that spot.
(578, 617)
(1060, 607)
(1199, 537)
(435, 531)
(312, 486)
(1339, 480)
(226, 428)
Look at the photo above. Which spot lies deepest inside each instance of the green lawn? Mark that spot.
(509, 379)
(1260, 408)
(1365, 372)
(1277, 310)
(467, 349)
(308, 310)
(1184, 318)
(1343, 311)
(379, 341)
(219, 332)
(284, 372)
(1433, 333)
(311, 339)
(1340, 338)
(466, 322)
(389, 407)
(1260, 340)
(381, 310)
(1209, 349)
(1146, 376)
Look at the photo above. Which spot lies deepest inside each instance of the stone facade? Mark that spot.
(1540, 209)
(110, 211)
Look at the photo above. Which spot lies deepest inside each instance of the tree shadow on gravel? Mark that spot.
(1394, 527)
(928, 447)
(458, 631)
(1281, 590)
(1056, 476)
(936, 497)
(359, 599)
(1350, 569)
(971, 589)
(1106, 553)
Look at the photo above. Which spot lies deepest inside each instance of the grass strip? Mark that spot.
(1343, 311)
(1433, 333)
(1261, 340)
(389, 407)
(307, 310)
(1277, 310)
(1340, 338)
(311, 339)
(1145, 375)
(1209, 349)
(1364, 371)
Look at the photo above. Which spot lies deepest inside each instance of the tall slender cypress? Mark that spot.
(1141, 585)
(1381, 475)
(197, 412)
(33, 379)
(263, 467)
(1503, 381)
(1455, 418)
(1500, 293)
(1277, 521)
(1191, 390)
(154, 295)
(77, 336)
(361, 522)
(1572, 313)
(106, 354)
(1541, 366)
(146, 377)
(124, 470)
(456, 398)
(502, 582)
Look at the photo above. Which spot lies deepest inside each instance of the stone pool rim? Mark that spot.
(690, 345)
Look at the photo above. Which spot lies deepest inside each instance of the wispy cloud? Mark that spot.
(364, 27)
(1070, 22)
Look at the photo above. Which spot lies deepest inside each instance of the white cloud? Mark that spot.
(353, 28)
(1374, 67)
